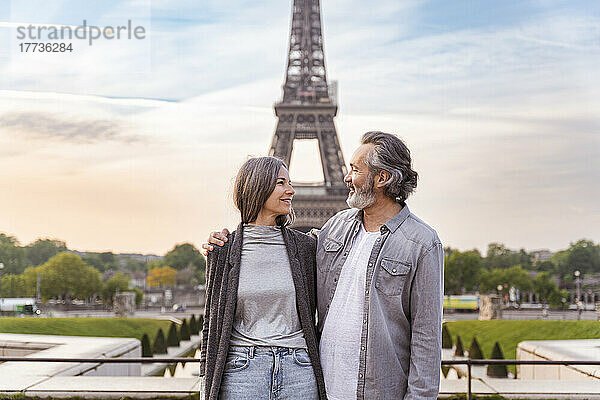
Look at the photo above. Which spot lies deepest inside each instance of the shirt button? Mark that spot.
(370, 264)
(362, 347)
(394, 270)
(360, 375)
(364, 321)
(379, 239)
(366, 292)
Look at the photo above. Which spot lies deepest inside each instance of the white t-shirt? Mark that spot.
(340, 340)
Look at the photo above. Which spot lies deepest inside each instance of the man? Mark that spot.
(379, 283)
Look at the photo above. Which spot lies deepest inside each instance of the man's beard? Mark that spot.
(363, 196)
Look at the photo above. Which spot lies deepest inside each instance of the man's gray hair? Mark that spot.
(391, 154)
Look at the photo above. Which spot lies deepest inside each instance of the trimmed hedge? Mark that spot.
(160, 345)
(173, 337)
(146, 350)
(475, 350)
(459, 351)
(446, 338)
(497, 371)
(193, 325)
(184, 331)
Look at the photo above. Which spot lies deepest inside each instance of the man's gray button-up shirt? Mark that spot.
(403, 303)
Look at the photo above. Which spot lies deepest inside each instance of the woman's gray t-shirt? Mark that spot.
(266, 313)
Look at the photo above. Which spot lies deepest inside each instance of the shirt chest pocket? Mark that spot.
(391, 276)
(327, 254)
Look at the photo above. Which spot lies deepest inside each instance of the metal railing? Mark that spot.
(470, 362)
(142, 360)
(146, 360)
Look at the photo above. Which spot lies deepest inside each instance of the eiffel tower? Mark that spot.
(306, 112)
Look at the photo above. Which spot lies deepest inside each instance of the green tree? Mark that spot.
(66, 275)
(90, 283)
(500, 256)
(119, 282)
(561, 260)
(131, 264)
(545, 266)
(462, 271)
(139, 295)
(544, 287)
(109, 260)
(102, 261)
(94, 260)
(448, 251)
(13, 285)
(30, 275)
(513, 276)
(11, 255)
(42, 250)
(186, 255)
(150, 265)
(184, 276)
(556, 298)
(183, 256)
(584, 256)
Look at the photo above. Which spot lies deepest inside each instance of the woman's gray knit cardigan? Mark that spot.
(222, 278)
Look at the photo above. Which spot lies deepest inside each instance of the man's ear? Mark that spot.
(381, 178)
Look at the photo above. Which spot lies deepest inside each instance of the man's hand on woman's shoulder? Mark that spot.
(216, 238)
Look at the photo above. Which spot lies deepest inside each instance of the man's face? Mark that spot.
(359, 180)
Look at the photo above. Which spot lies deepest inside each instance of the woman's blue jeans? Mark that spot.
(270, 373)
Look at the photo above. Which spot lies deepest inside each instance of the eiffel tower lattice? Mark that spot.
(306, 112)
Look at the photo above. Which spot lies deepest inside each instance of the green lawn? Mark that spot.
(510, 333)
(106, 327)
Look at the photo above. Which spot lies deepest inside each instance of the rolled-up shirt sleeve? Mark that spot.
(426, 325)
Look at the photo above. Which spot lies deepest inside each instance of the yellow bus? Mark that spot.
(469, 302)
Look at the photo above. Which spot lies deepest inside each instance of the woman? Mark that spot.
(258, 339)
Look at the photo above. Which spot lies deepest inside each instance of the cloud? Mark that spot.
(49, 127)
(501, 120)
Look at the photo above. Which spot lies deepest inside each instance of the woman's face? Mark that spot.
(280, 200)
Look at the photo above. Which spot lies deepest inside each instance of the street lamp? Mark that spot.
(1, 268)
(578, 292)
(578, 284)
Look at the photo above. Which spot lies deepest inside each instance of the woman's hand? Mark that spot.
(218, 238)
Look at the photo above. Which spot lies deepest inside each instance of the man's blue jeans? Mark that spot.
(273, 373)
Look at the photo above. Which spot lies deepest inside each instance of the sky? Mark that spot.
(132, 145)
